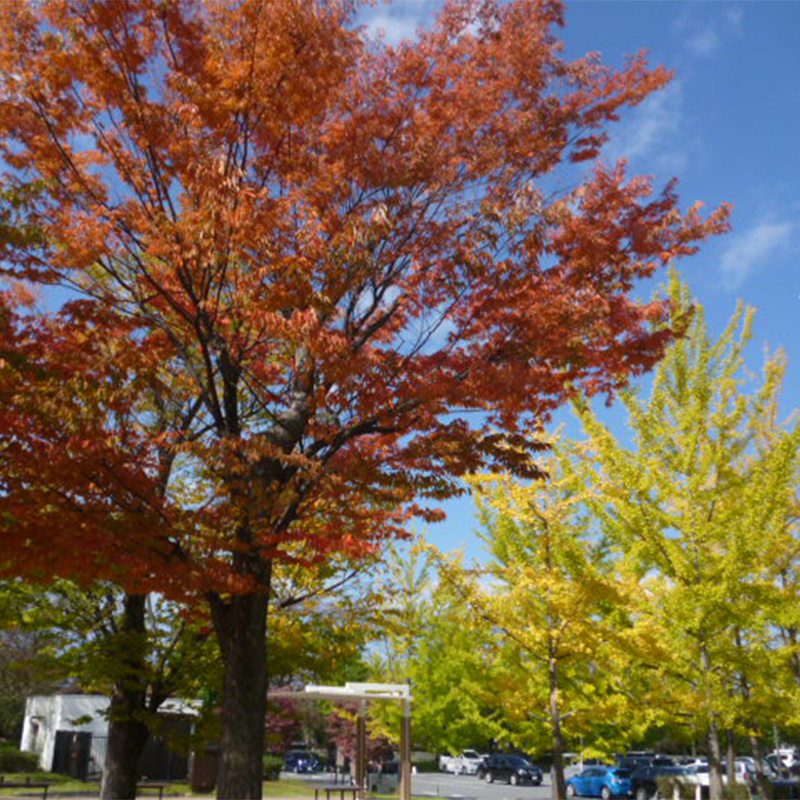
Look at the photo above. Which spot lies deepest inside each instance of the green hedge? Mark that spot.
(13, 760)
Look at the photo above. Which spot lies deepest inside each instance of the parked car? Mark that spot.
(538, 775)
(787, 756)
(300, 761)
(635, 761)
(644, 779)
(574, 764)
(466, 763)
(510, 768)
(752, 766)
(605, 782)
(699, 774)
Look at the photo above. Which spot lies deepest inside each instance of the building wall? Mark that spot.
(44, 715)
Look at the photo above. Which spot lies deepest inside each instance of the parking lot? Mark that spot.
(465, 787)
(456, 787)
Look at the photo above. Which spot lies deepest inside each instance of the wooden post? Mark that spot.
(405, 753)
(361, 745)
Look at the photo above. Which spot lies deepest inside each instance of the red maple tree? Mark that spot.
(341, 728)
(318, 278)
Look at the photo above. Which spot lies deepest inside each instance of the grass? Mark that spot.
(271, 789)
(60, 783)
(64, 783)
(287, 789)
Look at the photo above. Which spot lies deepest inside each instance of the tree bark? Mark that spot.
(764, 786)
(715, 786)
(558, 790)
(126, 740)
(730, 759)
(127, 730)
(241, 627)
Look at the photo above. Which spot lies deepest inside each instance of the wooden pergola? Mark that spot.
(363, 693)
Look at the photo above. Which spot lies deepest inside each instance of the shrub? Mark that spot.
(13, 760)
(426, 765)
(670, 787)
(272, 767)
(739, 791)
(675, 788)
(783, 790)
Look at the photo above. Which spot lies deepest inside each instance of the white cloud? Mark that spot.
(651, 131)
(399, 21)
(734, 17)
(704, 37)
(704, 43)
(392, 29)
(749, 250)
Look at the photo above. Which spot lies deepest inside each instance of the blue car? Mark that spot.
(605, 782)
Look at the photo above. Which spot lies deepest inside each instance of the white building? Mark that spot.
(49, 718)
(46, 714)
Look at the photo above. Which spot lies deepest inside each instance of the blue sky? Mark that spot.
(728, 127)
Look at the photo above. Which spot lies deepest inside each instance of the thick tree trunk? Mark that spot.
(126, 740)
(241, 627)
(127, 730)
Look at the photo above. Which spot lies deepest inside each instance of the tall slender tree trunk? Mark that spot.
(716, 788)
(730, 759)
(764, 786)
(558, 790)
(241, 626)
(715, 785)
(127, 730)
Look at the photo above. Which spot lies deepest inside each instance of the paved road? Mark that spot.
(465, 787)
(455, 787)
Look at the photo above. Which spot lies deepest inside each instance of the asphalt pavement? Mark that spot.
(468, 787)
(456, 787)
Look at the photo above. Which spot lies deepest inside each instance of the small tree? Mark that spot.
(428, 640)
(341, 730)
(553, 606)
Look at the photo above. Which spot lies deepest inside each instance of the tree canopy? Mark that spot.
(314, 278)
(702, 507)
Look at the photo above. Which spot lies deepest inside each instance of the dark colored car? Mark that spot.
(605, 782)
(300, 761)
(645, 779)
(513, 769)
(634, 762)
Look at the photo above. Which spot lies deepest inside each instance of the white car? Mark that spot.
(699, 773)
(465, 764)
(750, 766)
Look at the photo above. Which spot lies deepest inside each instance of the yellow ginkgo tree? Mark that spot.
(555, 610)
(698, 503)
